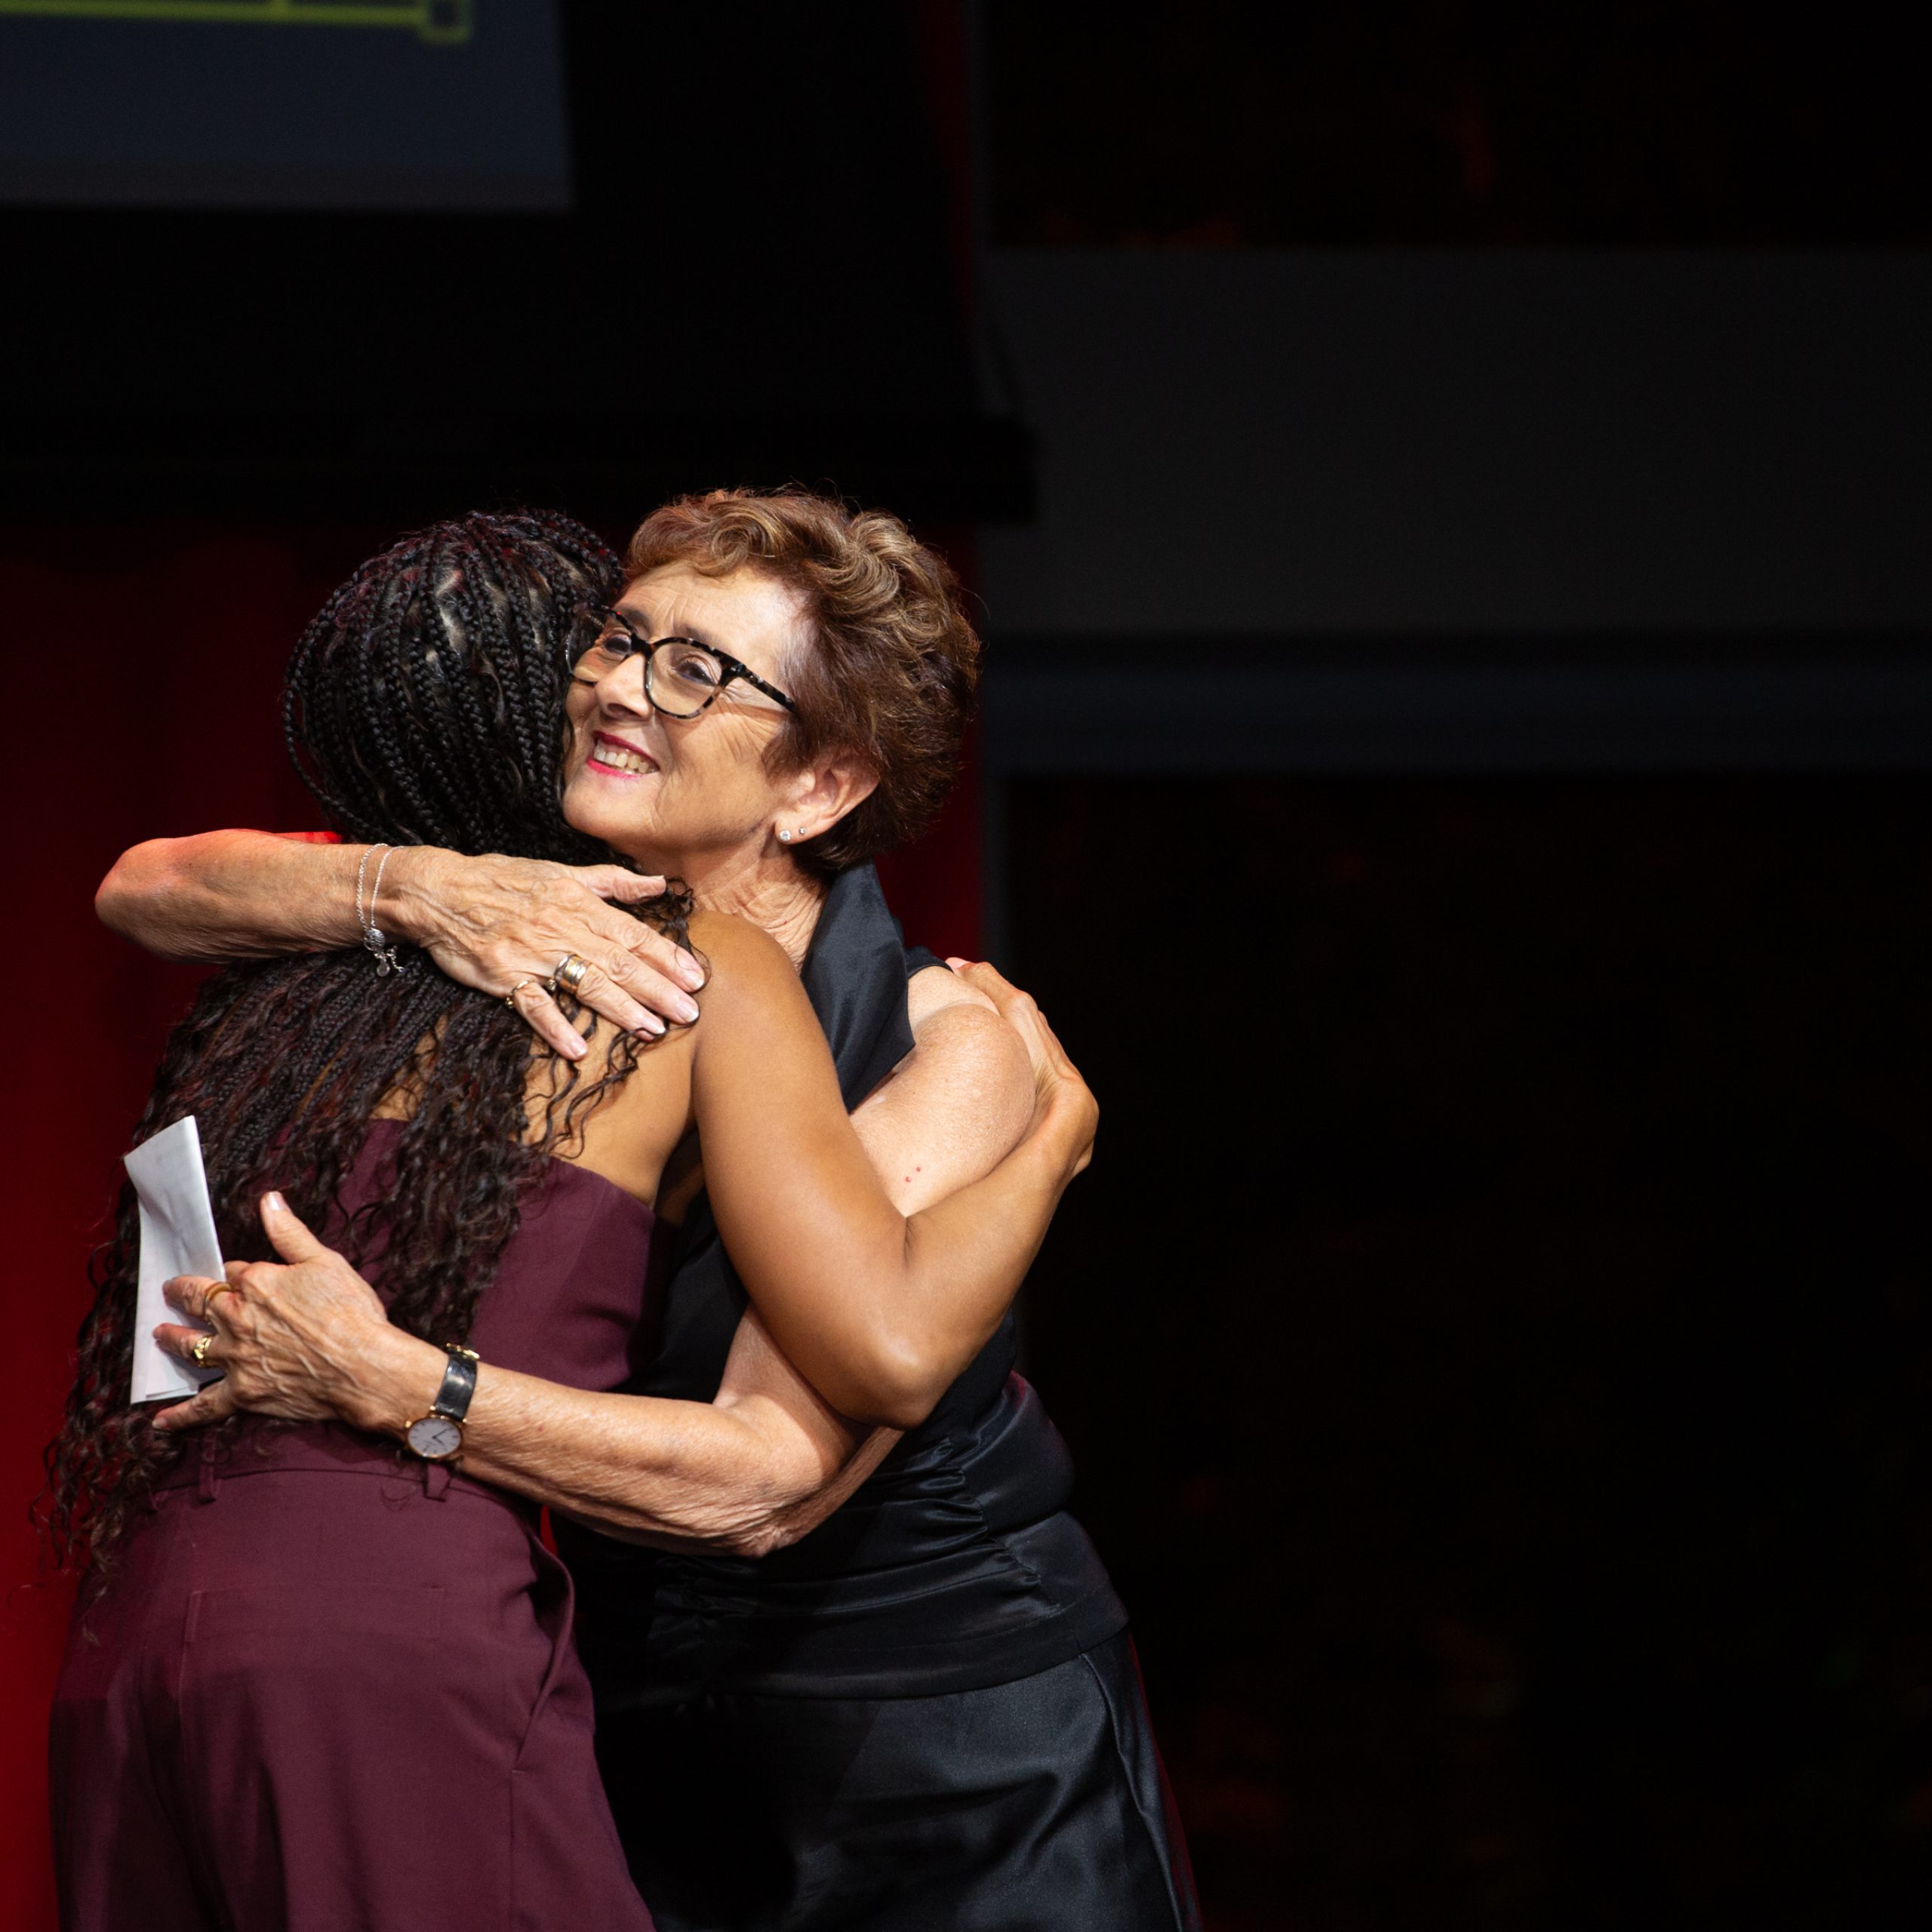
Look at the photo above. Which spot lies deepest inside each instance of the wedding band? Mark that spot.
(570, 970)
(199, 1349)
(207, 1300)
(509, 999)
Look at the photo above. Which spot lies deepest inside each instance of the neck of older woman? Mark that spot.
(769, 889)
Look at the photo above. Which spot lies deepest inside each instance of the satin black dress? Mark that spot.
(925, 1714)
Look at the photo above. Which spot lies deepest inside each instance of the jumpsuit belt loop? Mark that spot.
(207, 1483)
(435, 1481)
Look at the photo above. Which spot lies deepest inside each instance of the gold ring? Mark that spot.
(570, 970)
(509, 999)
(207, 1301)
(199, 1349)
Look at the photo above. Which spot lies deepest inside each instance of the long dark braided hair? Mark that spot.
(424, 706)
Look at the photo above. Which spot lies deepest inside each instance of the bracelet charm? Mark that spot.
(381, 948)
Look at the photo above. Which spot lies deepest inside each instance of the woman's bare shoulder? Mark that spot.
(738, 955)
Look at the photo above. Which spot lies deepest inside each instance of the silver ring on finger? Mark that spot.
(570, 971)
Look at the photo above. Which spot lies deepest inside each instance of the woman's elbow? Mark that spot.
(897, 1385)
(118, 895)
(725, 1526)
(762, 1539)
(139, 881)
(750, 1511)
(754, 1524)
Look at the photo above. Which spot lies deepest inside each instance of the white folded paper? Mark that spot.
(177, 1237)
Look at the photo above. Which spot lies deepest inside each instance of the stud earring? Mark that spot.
(786, 836)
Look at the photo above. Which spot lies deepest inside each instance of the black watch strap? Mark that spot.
(459, 1384)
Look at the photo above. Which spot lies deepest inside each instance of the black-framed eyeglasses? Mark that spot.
(681, 675)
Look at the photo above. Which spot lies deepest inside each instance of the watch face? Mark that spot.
(434, 1437)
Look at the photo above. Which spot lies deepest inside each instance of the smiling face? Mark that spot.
(685, 795)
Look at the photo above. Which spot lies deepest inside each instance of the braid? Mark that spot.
(424, 705)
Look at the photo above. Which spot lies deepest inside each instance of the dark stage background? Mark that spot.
(1495, 1331)
(1448, 487)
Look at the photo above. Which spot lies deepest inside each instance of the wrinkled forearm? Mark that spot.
(232, 895)
(737, 1478)
(636, 1464)
(773, 1526)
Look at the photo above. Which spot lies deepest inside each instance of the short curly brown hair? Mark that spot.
(895, 663)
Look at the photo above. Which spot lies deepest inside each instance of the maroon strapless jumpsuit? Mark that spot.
(332, 1689)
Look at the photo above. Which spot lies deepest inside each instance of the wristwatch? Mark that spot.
(438, 1437)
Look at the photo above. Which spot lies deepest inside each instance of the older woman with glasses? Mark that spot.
(924, 1711)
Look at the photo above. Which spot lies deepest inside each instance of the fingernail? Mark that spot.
(690, 972)
(650, 1027)
(685, 1010)
(575, 1050)
(273, 1199)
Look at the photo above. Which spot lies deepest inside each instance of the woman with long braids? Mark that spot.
(925, 1711)
(319, 1680)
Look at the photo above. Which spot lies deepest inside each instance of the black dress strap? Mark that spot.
(855, 977)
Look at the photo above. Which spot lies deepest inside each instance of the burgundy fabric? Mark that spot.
(580, 1305)
(330, 1687)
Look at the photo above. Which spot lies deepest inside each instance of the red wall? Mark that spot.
(141, 673)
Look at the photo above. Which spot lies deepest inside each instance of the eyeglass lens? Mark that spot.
(681, 677)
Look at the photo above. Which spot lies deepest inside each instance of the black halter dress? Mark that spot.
(926, 1712)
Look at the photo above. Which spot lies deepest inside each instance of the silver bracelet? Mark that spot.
(380, 946)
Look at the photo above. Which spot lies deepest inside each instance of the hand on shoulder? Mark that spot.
(958, 1103)
(936, 989)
